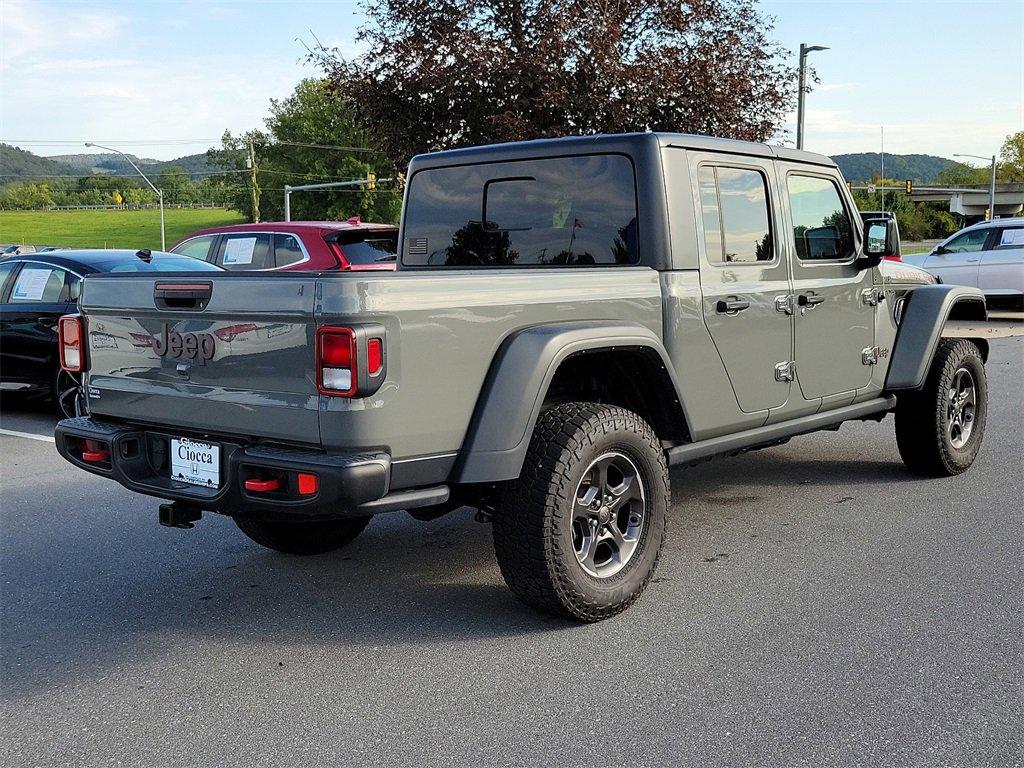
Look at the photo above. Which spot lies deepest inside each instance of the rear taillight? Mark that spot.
(339, 255)
(336, 361)
(892, 257)
(71, 342)
(350, 360)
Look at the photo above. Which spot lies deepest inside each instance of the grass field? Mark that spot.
(108, 229)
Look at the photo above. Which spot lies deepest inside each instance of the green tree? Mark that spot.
(1011, 167)
(311, 137)
(176, 185)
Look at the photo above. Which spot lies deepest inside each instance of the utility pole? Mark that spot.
(881, 181)
(254, 190)
(804, 50)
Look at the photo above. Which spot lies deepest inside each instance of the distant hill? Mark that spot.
(864, 166)
(115, 165)
(19, 165)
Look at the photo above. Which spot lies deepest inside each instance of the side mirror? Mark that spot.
(879, 242)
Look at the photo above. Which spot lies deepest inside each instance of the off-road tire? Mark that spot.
(533, 537)
(922, 418)
(302, 538)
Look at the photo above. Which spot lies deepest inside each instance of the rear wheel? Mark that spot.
(939, 429)
(302, 538)
(66, 387)
(580, 533)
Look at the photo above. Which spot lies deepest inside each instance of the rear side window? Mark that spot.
(553, 211)
(6, 269)
(1011, 237)
(287, 250)
(196, 248)
(821, 226)
(734, 211)
(39, 283)
(246, 251)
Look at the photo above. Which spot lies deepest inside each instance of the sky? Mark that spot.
(165, 79)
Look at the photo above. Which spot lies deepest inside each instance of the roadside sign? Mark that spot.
(872, 189)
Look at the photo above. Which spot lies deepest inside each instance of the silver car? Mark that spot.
(989, 256)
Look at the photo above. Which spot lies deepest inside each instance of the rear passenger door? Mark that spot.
(1002, 263)
(834, 325)
(744, 275)
(39, 295)
(240, 251)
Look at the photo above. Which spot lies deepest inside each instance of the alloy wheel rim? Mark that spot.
(608, 515)
(67, 394)
(961, 408)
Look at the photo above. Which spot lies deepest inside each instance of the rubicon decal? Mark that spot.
(191, 346)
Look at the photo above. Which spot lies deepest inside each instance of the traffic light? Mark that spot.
(849, 185)
(988, 214)
(371, 181)
(910, 186)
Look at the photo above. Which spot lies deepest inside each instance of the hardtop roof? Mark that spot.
(612, 142)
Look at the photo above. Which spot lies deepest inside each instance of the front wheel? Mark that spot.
(580, 533)
(939, 429)
(300, 537)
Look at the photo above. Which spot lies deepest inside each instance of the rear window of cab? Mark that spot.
(560, 211)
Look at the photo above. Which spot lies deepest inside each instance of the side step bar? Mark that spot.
(750, 438)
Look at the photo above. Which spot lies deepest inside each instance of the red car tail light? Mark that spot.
(336, 361)
(71, 342)
(339, 255)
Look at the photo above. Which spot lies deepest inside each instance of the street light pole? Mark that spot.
(159, 193)
(991, 184)
(804, 50)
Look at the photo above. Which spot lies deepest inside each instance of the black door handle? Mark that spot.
(809, 300)
(731, 306)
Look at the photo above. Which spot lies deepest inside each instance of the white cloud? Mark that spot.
(103, 86)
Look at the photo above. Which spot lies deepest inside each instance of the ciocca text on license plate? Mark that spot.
(195, 462)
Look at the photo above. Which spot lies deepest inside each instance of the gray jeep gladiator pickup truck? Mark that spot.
(569, 318)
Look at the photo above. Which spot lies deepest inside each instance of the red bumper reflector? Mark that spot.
(95, 457)
(308, 484)
(262, 486)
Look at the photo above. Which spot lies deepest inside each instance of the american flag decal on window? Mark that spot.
(416, 246)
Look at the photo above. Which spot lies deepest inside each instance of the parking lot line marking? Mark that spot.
(29, 435)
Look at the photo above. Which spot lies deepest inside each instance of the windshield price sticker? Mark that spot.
(239, 250)
(31, 284)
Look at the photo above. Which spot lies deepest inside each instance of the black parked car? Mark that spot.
(36, 289)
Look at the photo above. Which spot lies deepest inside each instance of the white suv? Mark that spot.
(989, 256)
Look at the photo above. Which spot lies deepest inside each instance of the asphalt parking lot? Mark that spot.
(816, 605)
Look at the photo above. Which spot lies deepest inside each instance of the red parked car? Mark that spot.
(295, 245)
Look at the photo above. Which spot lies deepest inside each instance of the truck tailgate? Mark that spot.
(233, 355)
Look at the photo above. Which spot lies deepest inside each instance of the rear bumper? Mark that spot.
(138, 460)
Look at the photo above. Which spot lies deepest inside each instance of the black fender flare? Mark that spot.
(925, 313)
(514, 390)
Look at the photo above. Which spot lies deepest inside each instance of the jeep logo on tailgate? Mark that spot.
(191, 346)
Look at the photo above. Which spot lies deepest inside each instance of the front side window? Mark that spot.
(821, 226)
(734, 211)
(6, 269)
(39, 283)
(196, 248)
(554, 211)
(246, 251)
(968, 242)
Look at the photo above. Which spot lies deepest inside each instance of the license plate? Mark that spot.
(195, 462)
